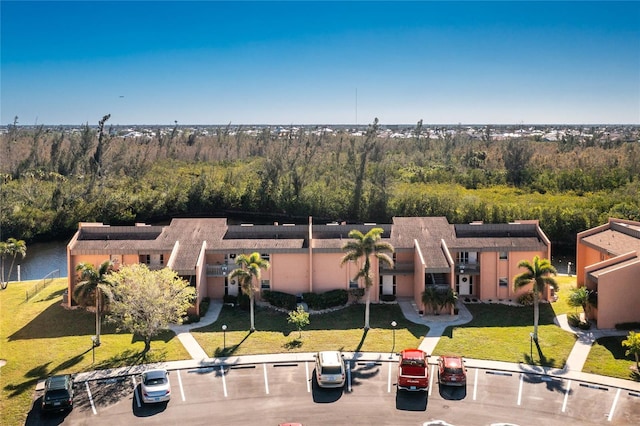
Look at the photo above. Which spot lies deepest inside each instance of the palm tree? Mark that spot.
(365, 245)
(247, 274)
(13, 248)
(93, 288)
(538, 274)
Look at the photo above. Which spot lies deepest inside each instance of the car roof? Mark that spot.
(329, 357)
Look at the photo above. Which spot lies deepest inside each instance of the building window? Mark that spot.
(265, 256)
(145, 258)
(463, 257)
(265, 285)
(504, 255)
(353, 284)
(162, 259)
(503, 282)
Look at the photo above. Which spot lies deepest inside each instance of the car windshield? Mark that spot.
(332, 370)
(56, 394)
(453, 370)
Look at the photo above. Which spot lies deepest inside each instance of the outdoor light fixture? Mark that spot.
(224, 336)
(393, 325)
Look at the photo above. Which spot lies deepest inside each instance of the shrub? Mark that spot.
(628, 326)
(526, 299)
(204, 306)
(230, 299)
(326, 300)
(356, 294)
(244, 301)
(388, 297)
(279, 299)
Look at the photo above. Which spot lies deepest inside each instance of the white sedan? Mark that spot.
(155, 386)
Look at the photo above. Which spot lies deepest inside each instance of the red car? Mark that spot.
(413, 370)
(451, 371)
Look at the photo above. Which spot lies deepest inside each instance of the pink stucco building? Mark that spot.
(476, 260)
(608, 262)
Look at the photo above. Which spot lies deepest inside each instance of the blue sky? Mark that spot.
(209, 62)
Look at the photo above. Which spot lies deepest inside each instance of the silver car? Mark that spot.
(155, 386)
(330, 369)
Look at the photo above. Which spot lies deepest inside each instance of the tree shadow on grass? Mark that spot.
(37, 373)
(542, 359)
(131, 357)
(229, 350)
(293, 344)
(56, 321)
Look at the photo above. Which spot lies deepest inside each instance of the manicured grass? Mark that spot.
(339, 330)
(501, 332)
(39, 338)
(561, 306)
(607, 358)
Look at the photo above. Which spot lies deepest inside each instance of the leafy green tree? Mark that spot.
(299, 318)
(10, 248)
(248, 276)
(94, 288)
(145, 301)
(538, 275)
(365, 246)
(516, 156)
(633, 343)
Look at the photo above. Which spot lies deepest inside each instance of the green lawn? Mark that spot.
(39, 338)
(607, 358)
(501, 332)
(339, 330)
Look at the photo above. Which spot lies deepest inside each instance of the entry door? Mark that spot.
(387, 284)
(464, 284)
(232, 286)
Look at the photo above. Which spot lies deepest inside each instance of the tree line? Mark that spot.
(51, 179)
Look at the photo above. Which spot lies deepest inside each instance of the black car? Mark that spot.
(58, 393)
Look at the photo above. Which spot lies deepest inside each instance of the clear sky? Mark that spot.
(209, 62)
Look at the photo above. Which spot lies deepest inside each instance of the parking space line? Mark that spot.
(306, 370)
(431, 379)
(93, 407)
(475, 385)
(180, 383)
(266, 380)
(566, 396)
(135, 390)
(348, 377)
(520, 388)
(613, 406)
(224, 381)
(389, 379)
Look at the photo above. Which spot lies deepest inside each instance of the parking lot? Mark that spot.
(273, 393)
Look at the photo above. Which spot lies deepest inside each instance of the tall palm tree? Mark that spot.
(93, 288)
(538, 274)
(12, 248)
(248, 275)
(366, 245)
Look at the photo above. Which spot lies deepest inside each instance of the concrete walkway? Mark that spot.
(186, 338)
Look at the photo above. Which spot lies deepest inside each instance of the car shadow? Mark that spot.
(452, 393)
(324, 395)
(140, 409)
(411, 401)
(37, 417)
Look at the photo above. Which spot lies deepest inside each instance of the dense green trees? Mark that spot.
(54, 178)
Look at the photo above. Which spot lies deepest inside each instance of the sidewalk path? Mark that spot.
(186, 338)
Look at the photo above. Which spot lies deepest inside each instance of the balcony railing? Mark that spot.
(221, 270)
(402, 267)
(467, 268)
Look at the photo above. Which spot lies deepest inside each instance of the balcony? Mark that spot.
(221, 270)
(404, 268)
(467, 268)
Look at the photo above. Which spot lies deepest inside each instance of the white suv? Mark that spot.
(330, 369)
